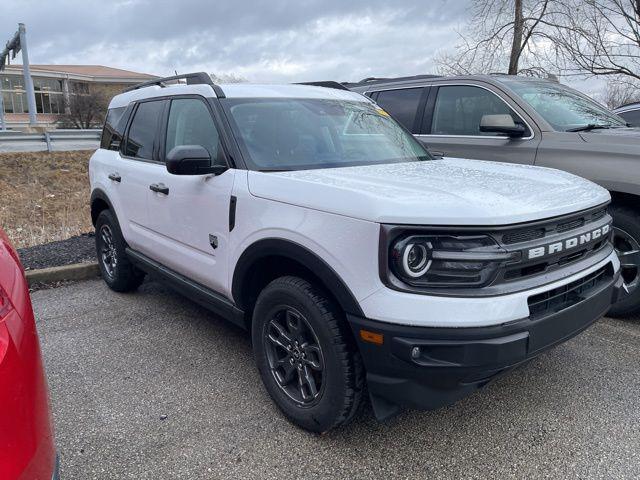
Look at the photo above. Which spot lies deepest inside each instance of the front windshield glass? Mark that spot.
(298, 133)
(562, 107)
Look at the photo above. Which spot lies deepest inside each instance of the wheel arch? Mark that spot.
(99, 202)
(267, 259)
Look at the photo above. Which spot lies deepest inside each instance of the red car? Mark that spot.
(27, 450)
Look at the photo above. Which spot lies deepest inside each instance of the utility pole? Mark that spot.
(3, 125)
(17, 44)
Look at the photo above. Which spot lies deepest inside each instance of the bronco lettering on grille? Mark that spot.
(569, 243)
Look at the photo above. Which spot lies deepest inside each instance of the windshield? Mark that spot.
(296, 134)
(564, 108)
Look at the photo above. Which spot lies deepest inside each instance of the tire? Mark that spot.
(626, 239)
(291, 310)
(116, 269)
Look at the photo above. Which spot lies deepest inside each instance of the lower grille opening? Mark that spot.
(563, 297)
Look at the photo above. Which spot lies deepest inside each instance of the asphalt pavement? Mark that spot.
(149, 385)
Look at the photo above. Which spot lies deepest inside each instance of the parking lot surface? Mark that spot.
(149, 385)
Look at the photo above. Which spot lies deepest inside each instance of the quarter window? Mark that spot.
(459, 109)
(143, 130)
(112, 130)
(401, 104)
(190, 123)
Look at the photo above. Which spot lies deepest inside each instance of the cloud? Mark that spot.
(262, 41)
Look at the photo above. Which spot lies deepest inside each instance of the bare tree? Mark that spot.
(598, 37)
(620, 92)
(502, 36)
(85, 110)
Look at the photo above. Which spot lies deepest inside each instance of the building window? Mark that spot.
(48, 93)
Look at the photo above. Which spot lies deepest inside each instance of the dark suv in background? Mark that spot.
(532, 121)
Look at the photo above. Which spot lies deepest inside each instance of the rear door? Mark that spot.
(131, 169)
(451, 125)
(190, 220)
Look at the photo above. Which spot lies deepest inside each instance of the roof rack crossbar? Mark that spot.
(326, 84)
(197, 78)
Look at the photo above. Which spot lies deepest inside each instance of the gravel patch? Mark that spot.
(78, 249)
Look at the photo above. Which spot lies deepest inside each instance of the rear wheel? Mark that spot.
(306, 356)
(117, 271)
(626, 240)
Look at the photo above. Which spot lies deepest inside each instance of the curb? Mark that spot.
(77, 271)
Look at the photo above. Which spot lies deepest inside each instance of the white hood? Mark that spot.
(438, 192)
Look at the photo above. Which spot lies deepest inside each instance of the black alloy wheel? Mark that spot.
(294, 355)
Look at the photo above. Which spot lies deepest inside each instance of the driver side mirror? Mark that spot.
(192, 160)
(501, 124)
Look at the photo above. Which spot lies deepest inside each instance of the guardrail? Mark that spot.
(18, 139)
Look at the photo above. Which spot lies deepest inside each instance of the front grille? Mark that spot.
(544, 233)
(566, 226)
(520, 236)
(553, 301)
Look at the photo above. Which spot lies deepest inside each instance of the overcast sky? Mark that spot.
(272, 40)
(261, 40)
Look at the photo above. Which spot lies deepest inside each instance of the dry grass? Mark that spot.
(44, 196)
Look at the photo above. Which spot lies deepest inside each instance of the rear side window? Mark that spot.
(401, 104)
(113, 129)
(459, 109)
(190, 123)
(143, 130)
(632, 117)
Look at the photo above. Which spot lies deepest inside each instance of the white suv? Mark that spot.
(359, 263)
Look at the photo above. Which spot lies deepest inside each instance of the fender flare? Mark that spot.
(99, 194)
(286, 248)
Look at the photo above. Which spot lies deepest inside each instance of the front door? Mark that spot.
(189, 214)
(451, 126)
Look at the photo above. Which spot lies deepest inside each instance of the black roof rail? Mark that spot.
(374, 80)
(197, 78)
(326, 84)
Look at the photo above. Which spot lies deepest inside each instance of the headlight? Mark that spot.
(447, 260)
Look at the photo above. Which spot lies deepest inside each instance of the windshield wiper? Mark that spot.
(588, 127)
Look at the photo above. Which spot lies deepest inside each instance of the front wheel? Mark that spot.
(306, 356)
(626, 240)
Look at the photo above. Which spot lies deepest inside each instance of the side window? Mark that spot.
(632, 117)
(459, 109)
(143, 130)
(401, 104)
(190, 123)
(113, 129)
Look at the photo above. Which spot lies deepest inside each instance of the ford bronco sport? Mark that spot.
(359, 264)
(532, 121)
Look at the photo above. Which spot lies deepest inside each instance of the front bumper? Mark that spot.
(427, 368)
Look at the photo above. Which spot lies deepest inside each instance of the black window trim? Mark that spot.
(132, 116)
(165, 123)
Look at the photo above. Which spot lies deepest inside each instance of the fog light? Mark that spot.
(415, 353)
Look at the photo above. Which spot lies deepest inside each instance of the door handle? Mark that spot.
(115, 177)
(160, 188)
